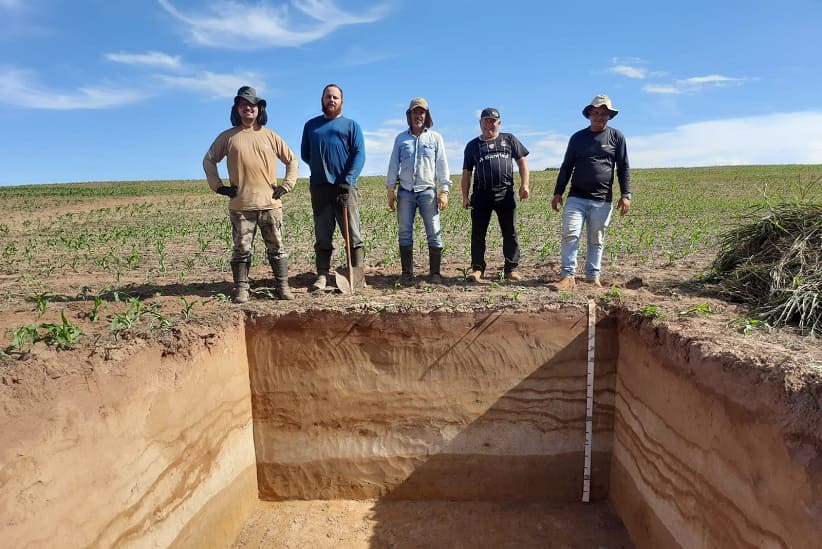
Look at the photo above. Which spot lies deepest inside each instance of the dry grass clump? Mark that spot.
(775, 264)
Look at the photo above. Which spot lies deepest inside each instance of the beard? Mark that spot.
(332, 112)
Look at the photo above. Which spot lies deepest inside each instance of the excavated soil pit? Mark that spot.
(484, 411)
(417, 430)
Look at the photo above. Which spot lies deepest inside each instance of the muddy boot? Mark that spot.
(241, 287)
(407, 261)
(323, 267)
(357, 260)
(434, 260)
(279, 267)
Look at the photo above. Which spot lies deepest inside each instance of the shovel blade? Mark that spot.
(350, 280)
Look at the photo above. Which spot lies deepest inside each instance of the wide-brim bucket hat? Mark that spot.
(600, 100)
(249, 94)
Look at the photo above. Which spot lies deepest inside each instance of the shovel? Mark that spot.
(348, 278)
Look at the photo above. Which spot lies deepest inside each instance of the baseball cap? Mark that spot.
(418, 102)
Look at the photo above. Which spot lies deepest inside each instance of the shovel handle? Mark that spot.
(346, 235)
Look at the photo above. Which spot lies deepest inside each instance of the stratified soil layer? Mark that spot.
(483, 406)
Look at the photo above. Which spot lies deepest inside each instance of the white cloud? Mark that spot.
(236, 25)
(693, 84)
(665, 90)
(22, 88)
(783, 138)
(214, 84)
(182, 77)
(547, 149)
(151, 58)
(710, 79)
(17, 87)
(378, 145)
(630, 72)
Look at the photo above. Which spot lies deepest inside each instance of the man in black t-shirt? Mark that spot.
(490, 159)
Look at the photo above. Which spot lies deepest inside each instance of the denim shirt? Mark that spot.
(418, 163)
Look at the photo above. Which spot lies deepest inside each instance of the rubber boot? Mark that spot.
(241, 287)
(323, 268)
(279, 267)
(434, 261)
(357, 260)
(407, 261)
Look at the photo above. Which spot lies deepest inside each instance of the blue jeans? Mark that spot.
(407, 204)
(596, 215)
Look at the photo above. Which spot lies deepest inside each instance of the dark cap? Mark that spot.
(249, 94)
(490, 112)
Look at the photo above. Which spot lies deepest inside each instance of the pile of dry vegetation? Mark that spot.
(775, 263)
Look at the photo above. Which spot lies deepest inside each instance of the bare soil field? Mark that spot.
(97, 279)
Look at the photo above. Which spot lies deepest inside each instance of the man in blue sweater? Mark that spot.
(334, 149)
(594, 155)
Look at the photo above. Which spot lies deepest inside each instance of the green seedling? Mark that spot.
(186, 312)
(158, 321)
(613, 294)
(123, 322)
(63, 335)
(94, 314)
(41, 303)
(23, 338)
(265, 292)
(747, 325)
(701, 309)
(650, 311)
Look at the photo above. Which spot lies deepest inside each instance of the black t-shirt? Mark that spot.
(492, 162)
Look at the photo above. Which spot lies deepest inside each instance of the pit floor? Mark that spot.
(372, 524)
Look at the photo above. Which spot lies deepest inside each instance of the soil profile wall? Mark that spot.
(151, 452)
(711, 451)
(468, 406)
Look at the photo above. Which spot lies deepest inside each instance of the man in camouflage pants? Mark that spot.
(255, 197)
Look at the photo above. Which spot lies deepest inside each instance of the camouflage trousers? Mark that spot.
(244, 226)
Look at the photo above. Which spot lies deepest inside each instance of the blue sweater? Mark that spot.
(333, 149)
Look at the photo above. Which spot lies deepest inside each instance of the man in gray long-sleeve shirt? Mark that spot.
(593, 156)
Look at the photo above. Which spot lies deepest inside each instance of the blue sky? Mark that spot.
(100, 90)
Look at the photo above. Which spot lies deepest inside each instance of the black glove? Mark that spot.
(342, 194)
(278, 192)
(230, 192)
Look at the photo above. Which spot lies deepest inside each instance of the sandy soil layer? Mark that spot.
(373, 524)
